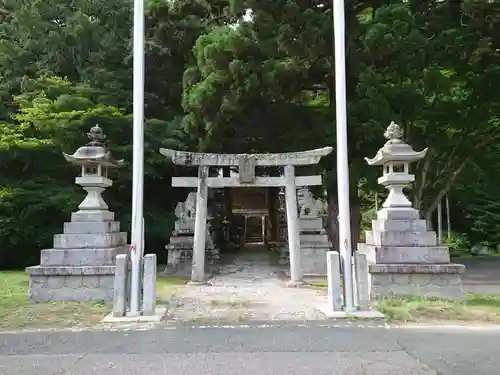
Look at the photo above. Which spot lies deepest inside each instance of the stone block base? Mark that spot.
(90, 240)
(405, 254)
(313, 260)
(314, 224)
(178, 257)
(85, 283)
(81, 257)
(183, 269)
(416, 280)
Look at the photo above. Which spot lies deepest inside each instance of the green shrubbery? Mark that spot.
(37, 189)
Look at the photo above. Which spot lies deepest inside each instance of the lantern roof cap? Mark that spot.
(94, 152)
(395, 149)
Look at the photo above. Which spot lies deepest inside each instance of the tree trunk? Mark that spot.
(273, 210)
(428, 219)
(333, 222)
(355, 222)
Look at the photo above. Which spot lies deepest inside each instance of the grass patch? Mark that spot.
(167, 286)
(318, 282)
(473, 308)
(16, 312)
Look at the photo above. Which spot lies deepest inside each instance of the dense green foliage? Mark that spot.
(219, 80)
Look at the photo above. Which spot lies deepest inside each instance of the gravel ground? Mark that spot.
(246, 290)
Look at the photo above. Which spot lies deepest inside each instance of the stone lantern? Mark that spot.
(94, 160)
(405, 258)
(81, 264)
(395, 157)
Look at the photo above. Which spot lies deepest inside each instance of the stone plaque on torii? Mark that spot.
(246, 178)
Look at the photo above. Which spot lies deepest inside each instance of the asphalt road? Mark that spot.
(291, 350)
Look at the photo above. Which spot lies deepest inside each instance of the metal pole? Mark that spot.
(137, 236)
(345, 247)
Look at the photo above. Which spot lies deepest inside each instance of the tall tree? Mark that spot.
(428, 65)
(81, 40)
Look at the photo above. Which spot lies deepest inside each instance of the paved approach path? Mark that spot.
(286, 350)
(248, 288)
(482, 275)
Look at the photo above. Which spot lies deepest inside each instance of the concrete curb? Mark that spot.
(158, 316)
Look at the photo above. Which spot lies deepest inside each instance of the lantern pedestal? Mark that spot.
(94, 186)
(396, 183)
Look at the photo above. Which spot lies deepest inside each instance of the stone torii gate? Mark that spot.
(246, 164)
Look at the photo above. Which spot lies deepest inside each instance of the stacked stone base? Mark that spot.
(429, 281)
(67, 283)
(81, 266)
(179, 258)
(405, 259)
(313, 259)
(314, 245)
(180, 249)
